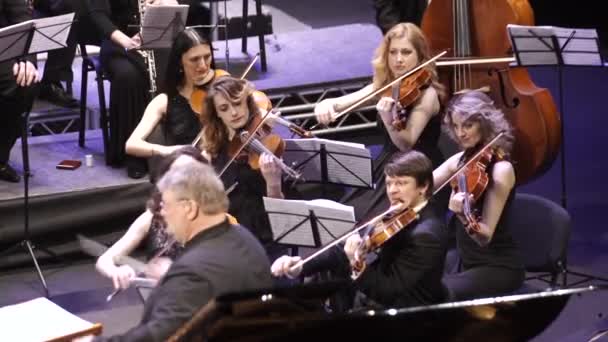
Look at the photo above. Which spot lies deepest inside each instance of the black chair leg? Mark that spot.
(83, 102)
(258, 10)
(103, 117)
(244, 37)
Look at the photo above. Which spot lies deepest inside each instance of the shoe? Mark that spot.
(7, 173)
(54, 93)
(135, 173)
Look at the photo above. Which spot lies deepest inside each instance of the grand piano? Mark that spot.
(300, 314)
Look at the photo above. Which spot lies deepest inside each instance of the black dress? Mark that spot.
(369, 203)
(129, 89)
(492, 270)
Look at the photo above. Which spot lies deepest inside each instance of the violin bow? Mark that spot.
(382, 89)
(199, 136)
(469, 161)
(374, 220)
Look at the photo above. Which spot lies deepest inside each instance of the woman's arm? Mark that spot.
(417, 120)
(446, 170)
(125, 245)
(503, 180)
(326, 109)
(136, 144)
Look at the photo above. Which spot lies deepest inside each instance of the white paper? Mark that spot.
(159, 26)
(334, 220)
(51, 33)
(536, 47)
(13, 40)
(38, 320)
(347, 163)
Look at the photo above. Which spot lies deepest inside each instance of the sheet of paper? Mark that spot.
(161, 23)
(38, 320)
(13, 40)
(51, 33)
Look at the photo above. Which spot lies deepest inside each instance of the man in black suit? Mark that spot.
(218, 257)
(409, 267)
(16, 91)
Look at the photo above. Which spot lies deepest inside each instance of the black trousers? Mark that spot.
(129, 96)
(483, 282)
(14, 100)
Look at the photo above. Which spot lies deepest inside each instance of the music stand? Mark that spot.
(330, 162)
(18, 41)
(311, 224)
(560, 47)
(161, 24)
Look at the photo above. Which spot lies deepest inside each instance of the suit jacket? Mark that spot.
(225, 258)
(408, 269)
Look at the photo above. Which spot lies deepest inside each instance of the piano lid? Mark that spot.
(279, 316)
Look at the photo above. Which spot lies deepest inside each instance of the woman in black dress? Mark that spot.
(490, 262)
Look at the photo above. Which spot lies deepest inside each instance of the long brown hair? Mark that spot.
(234, 90)
(382, 73)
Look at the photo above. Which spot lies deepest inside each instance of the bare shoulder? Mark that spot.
(504, 173)
(429, 102)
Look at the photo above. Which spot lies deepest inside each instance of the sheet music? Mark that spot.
(161, 23)
(535, 46)
(347, 163)
(51, 33)
(38, 320)
(284, 215)
(13, 40)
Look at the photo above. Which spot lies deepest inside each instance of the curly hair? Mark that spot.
(478, 107)
(382, 73)
(234, 90)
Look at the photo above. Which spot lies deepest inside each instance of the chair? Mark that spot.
(93, 63)
(541, 229)
(258, 25)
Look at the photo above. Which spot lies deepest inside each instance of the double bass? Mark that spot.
(477, 29)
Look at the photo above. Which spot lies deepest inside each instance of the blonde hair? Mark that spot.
(382, 73)
(198, 182)
(478, 107)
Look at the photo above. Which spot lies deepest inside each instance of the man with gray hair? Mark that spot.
(218, 257)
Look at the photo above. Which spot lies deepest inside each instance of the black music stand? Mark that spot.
(161, 24)
(18, 41)
(560, 47)
(330, 162)
(307, 223)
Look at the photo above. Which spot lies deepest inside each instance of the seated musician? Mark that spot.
(149, 228)
(189, 72)
(402, 48)
(218, 257)
(231, 109)
(408, 269)
(490, 265)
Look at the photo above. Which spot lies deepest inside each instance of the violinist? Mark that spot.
(490, 264)
(189, 71)
(403, 48)
(231, 111)
(409, 266)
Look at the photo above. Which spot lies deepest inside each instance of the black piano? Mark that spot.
(299, 314)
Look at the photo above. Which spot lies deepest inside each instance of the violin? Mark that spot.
(250, 146)
(473, 180)
(199, 93)
(263, 102)
(407, 92)
(378, 234)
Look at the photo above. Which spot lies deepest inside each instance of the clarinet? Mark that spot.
(148, 55)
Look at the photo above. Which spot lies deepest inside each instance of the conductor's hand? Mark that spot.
(121, 277)
(325, 111)
(352, 246)
(25, 73)
(286, 266)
